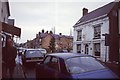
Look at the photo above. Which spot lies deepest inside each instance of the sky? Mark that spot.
(34, 15)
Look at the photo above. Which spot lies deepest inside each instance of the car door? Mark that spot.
(52, 67)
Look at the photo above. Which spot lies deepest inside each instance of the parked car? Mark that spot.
(43, 51)
(72, 65)
(32, 56)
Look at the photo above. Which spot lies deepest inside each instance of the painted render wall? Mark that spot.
(3, 12)
(88, 35)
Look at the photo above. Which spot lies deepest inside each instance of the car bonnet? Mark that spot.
(98, 74)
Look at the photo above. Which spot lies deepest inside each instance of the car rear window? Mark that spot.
(82, 64)
(33, 53)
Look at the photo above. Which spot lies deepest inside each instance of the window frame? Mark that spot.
(79, 35)
(78, 48)
(96, 52)
(97, 31)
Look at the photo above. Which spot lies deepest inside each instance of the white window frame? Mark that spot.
(79, 35)
(97, 31)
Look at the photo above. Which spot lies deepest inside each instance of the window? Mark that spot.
(77, 65)
(55, 64)
(97, 49)
(78, 48)
(97, 32)
(47, 60)
(52, 63)
(79, 35)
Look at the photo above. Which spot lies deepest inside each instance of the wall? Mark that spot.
(3, 18)
(3, 12)
(119, 20)
(119, 33)
(0, 41)
(46, 41)
(0, 52)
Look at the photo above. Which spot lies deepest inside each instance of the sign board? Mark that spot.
(106, 39)
(11, 29)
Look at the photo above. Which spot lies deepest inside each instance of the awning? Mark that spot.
(11, 29)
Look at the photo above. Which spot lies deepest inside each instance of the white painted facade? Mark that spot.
(88, 35)
(4, 14)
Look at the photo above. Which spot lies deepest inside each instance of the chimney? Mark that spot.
(60, 33)
(85, 11)
(51, 32)
(42, 30)
(46, 31)
(36, 35)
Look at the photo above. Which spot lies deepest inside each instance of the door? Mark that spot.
(52, 67)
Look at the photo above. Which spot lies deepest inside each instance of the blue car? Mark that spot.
(72, 66)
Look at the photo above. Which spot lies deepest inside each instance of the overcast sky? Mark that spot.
(34, 15)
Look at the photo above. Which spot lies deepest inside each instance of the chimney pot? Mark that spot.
(42, 30)
(60, 33)
(85, 11)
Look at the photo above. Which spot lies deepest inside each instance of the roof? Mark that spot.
(105, 10)
(56, 36)
(67, 55)
(42, 35)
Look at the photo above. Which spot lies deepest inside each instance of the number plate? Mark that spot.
(34, 58)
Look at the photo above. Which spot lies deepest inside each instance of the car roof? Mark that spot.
(32, 49)
(67, 55)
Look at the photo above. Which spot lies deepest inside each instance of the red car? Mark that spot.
(72, 66)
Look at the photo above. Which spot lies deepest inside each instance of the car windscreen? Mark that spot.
(33, 53)
(43, 51)
(77, 65)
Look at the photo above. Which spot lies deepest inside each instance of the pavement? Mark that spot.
(18, 72)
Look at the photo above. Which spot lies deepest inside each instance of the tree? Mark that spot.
(52, 44)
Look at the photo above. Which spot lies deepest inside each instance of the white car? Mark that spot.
(43, 51)
(32, 56)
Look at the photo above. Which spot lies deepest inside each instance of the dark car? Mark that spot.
(32, 56)
(72, 65)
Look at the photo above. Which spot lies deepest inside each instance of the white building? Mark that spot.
(4, 11)
(89, 30)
